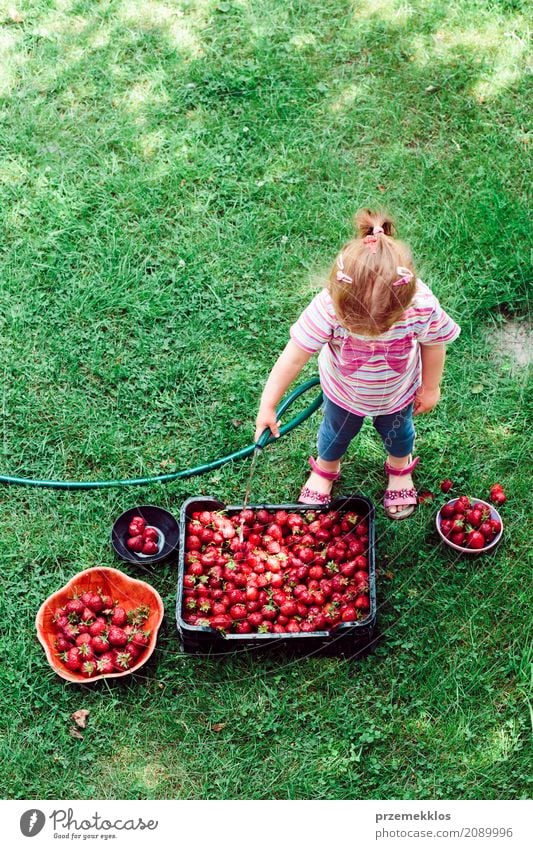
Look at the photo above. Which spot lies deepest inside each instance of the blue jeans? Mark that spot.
(339, 427)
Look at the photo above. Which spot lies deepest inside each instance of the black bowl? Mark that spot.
(157, 518)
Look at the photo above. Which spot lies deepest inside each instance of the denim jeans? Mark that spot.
(338, 428)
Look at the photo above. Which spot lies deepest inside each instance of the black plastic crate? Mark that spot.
(344, 639)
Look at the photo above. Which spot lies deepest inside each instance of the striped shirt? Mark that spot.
(372, 376)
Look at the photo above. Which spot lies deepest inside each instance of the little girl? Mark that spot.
(381, 334)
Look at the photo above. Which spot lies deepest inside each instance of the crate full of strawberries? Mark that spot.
(289, 574)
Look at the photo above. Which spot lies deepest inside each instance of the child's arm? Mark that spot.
(428, 395)
(288, 365)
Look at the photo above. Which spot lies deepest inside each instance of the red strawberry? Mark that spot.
(458, 537)
(475, 540)
(71, 631)
(75, 605)
(122, 660)
(474, 517)
(72, 659)
(87, 616)
(83, 638)
(85, 650)
(446, 485)
(135, 543)
(447, 511)
(151, 533)
(117, 636)
(139, 522)
(119, 617)
(498, 497)
(222, 622)
(140, 639)
(62, 644)
(486, 529)
(105, 665)
(61, 622)
(238, 611)
(96, 604)
(362, 602)
(88, 668)
(100, 644)
(98, 627)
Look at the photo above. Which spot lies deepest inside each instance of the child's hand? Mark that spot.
(266, 417)
(426, 399)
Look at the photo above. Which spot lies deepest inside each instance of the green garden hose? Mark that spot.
(265, 439)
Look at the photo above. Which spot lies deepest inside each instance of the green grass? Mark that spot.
(174, 179)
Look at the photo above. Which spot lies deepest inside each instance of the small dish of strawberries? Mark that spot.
(470, 525)
(144, 535)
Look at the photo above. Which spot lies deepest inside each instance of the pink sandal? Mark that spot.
(401, 497)
(315, 496)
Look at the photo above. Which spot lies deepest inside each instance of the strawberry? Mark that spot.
(62, 644)
(104, 664)
(96, 603)
(75, 605)
(122, 660)
(88, 668)
(100, 644)
(446, 485)
(140, 639)
(475, 540)
(150, 547)
(98, 627)
(85, 651)
(72, 659)
(71, 631)
(117, 636)
(135, 543)
(119, 617)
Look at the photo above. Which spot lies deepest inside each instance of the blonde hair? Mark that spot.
(361, 281)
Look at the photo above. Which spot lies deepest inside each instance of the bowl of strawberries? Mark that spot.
(143, 535)
(469, 525)
(102, 624)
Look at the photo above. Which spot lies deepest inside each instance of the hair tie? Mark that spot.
(406, 276)
(342, 277)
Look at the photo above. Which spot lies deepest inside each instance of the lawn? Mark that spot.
(175, 179)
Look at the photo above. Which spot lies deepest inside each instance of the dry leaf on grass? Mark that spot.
(80, 717)
(75, 733)
(218, 726)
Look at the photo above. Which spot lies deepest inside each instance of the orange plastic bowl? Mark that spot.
(120, 587)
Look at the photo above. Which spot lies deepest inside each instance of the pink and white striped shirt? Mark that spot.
(372, 376)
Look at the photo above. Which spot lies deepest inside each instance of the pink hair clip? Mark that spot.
(407, 276)
(342, 277)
